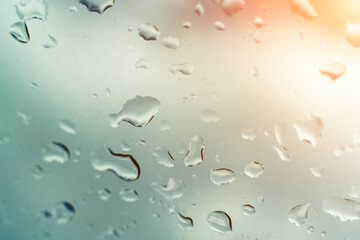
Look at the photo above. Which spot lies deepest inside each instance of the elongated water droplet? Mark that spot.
(219, 26)
(299, 214)
(194, 155)
(163, 156)
(19, 32)
(170, 42)
(316, 171)
(148, 32)
(184, 68)
(55, 152)
(123, 165)
(310, 130)
(303, 8)
(142, 63)
(352, 34)
(68, 126)
(25, 118)
(199, 9)
(209, 116)
(249, 134)
(129, 195)
(259, 22)
(31, 9)
(64, 212)
(231, 7)
(172, 190)
(333, 70)
(344, 208)
(222, 176)
(219, 221)
(104, 194)
(248, 210)
(254, 169)
(98, 6)
(138, 111)
(184, 222)
(283, 153)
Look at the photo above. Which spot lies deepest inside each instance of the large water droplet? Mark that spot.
(99, 6)
(129, 195)
(352, 34)
(148, 31)
(123, 165)
(184, 68)
(172, 190)
(303, 8)
(184, 222)
(31, 9)
(333, 70)
(163, 156)
(64, 212)
(19, 32)
(231, 7)
(170, 42)
(55, 152)
(219, 221)
(248, 210)
(68, 126)
(222, 176)
(138, 111)
(209, 116)
(299, 214)
(310, 130)
(194, 155)
(254, 169)
(344, 208)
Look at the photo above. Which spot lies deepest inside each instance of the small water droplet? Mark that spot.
(310, 229)
(171, 42)
(220, 26)
(104, 194)
(254, 169)
(184, 222)
(172, 190)
(184, 68)
(187, 24)
(163, 156)
(64, 212)
(209, 116)
(219, 221)
(302, 33)
(194, 155)
(299, 214)
(248, 210)
(222, 176)
(4, 137)
(68, 126)
(55, 152)
(259, 22)
(25, 118)
(261, 199)
(73, 9)
(333, 70)
(49, 42)
(310, 130)
(138, 111)
(142, 63)
(316, 171)
(129, 195)
(249, 134)
(148, 32)
(199, 9)
(98, 6)
(323, 234)
(38, 172)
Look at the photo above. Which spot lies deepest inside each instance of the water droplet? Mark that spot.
(249, 134)
(222, 176)
(259, 22)
(302, 33)
(339, 151)
(123, 165)
(254, 169)
(303, 8)
(50, 42)
(352, 34)
(31, 9)
(254, 72)
(316, 171)
(163, 156)
(64, 212)
(164, 125)
(33, 85)
(219, 221)
(184, 222)
(138, 111)
(156, 215)
(209, 116)
(73, 9)
(98, 6)
(299, 214)
(148, 31)
(248, 210)
(355, 191)
(25, 118)
(142, 63)
(187, 24)
(323, 233)
(129, 195)
(219, 26)
(4, 137)
(19, 32)
(333, 70)
(38, 172)
(231, 7)
(344, 208)
(310, 229)
(55, 152)
(170, 42)
(283, 153)
(310, 130)
(68, 126)
(184, 68)
(261, 199)
(104, 194)
(172, 190)
(194, 155)
(199, 9)
(257, 37)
